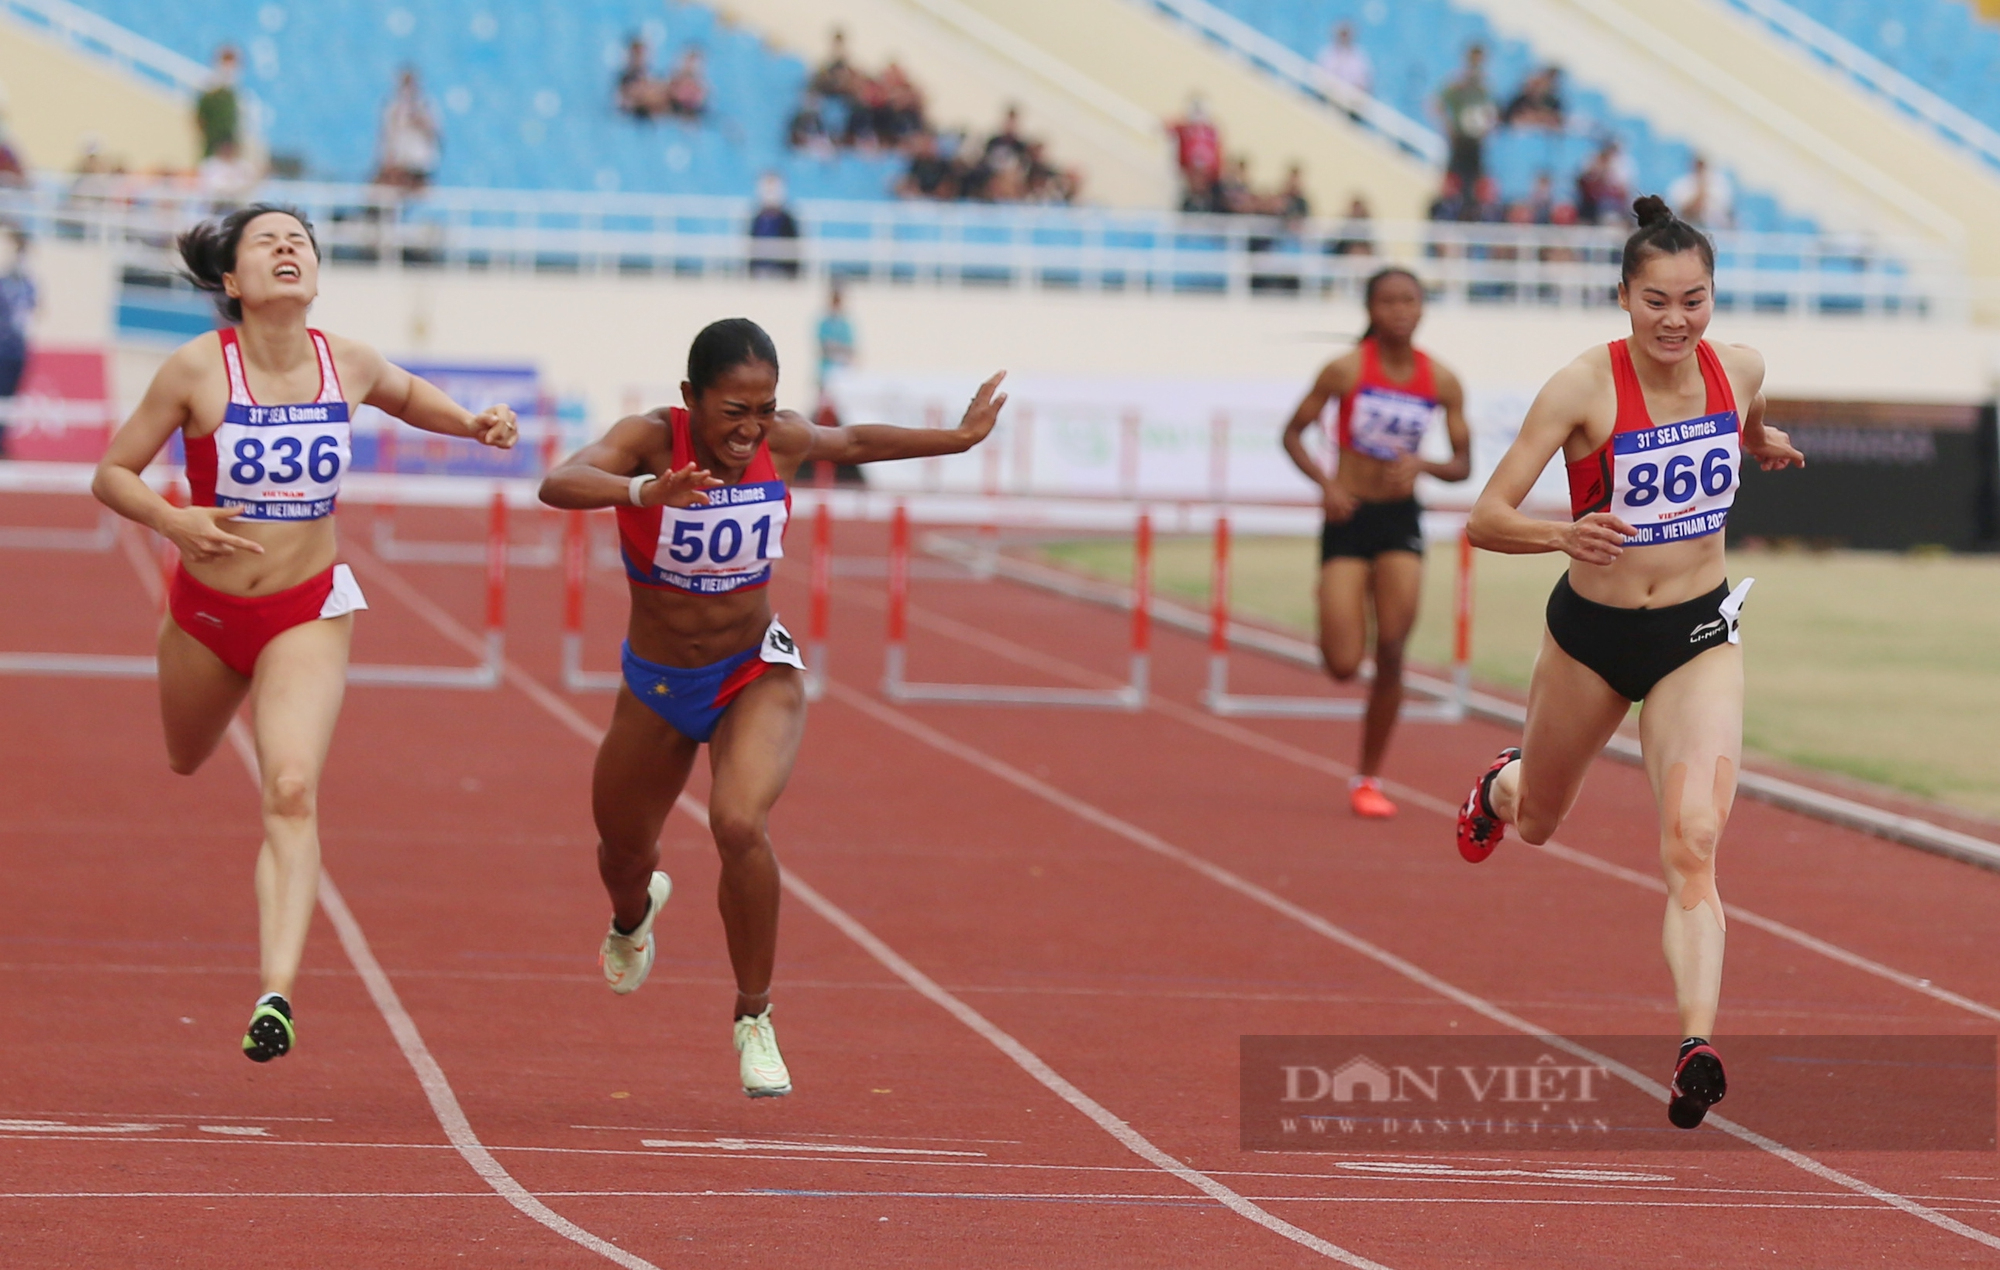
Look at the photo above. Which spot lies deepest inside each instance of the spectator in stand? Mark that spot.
(1451, 202)
(1233, 194)
(1357, 232)
(13, 172)
(1008, 140)
(1346, 65)
(687, 87)
(639, 94)
(807, 130)
(17, 303)
(774, 232)
(836, 338)
(215, 111)
(900, 116)
(226, 178)
(1604, 186)
(1541, 201)
(930, 175)
(1486, 206)
(831, 80)
(1203, 195)
(1290, 202)
(1704, 197)
(1198, 146)
(1469, 116)
(411, 145)
(1539, 102)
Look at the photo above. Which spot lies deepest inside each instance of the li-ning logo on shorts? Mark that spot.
(1706, 629)
(783, 642)
(210, 618)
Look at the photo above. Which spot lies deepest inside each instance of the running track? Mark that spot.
(1019, 950)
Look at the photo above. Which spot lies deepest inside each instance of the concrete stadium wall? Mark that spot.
(56, 97)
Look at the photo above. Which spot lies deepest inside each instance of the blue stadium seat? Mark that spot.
(1941, 44)
(523, 90)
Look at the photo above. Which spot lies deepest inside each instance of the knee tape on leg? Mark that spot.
(1691, 835)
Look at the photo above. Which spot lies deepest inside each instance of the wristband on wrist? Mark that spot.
(634, 491)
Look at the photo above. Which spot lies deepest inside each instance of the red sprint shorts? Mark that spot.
(236, 627)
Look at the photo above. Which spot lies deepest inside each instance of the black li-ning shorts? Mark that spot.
(1373, 529)
(1633, 649)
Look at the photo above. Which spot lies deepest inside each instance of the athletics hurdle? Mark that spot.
(1448, 707)
(485, 675)
(1131, 696)
(531, 555)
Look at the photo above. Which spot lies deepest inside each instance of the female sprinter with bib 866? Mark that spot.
(702, 505)
(1644, 611)
(257, 606)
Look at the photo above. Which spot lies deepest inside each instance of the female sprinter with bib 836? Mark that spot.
(257, 606)
(1651, 429)
(702, 504)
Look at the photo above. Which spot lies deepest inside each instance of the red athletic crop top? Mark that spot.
(1386, 420)
(1670, 481)
(726, 544)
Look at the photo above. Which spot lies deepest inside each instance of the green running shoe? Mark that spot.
(270, 1033)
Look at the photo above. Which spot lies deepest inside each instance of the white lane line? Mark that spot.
(1092, 814)
(1022, 1056)
(837, 1148)
(1021, 654)
(444, 1103)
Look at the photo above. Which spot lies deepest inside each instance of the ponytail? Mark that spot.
(209, 251)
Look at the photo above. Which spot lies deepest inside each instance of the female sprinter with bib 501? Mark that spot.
(702, 505)
(1372, 545)
(1652, 427)
(257, 606)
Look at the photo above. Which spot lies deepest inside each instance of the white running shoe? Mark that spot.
(627, 959)
(764, 1074)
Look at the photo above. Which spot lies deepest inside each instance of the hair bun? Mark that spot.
(1652, 210)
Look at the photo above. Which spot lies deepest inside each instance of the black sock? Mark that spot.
(277, 1003)
(641, 922)
(1690, 1043)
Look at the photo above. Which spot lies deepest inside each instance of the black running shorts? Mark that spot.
(1373, 529)
(1633, 649)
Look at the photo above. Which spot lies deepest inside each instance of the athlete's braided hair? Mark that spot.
(1661, 233)
(209, 251)
(724, 345)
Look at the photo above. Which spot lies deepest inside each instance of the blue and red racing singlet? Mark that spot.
(1670, 481)
(1386, 420)
(275, 462)
(725, 545)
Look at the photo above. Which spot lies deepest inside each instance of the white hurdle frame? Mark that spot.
(1447, 708)
(485, 675)
(1131, 696)
(532, 555)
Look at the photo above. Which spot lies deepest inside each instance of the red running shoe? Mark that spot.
(1698, 1083)
(1365, 796)
(1480, 828)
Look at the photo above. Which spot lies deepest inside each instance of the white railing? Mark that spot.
(1884, 80)
(101, 38)
(1261, 50)
(996, 246)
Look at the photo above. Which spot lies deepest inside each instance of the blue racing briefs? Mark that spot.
(692, 701)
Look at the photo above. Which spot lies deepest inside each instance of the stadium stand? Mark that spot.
(526, 91)
(1941, 44)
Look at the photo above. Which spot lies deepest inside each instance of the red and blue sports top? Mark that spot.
(1386, 420)
(1669, 481)
(724, 545)
(276, 462)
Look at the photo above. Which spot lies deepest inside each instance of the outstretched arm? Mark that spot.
(616, 470)
(423, 405)
(1497, 523)
(880, 442)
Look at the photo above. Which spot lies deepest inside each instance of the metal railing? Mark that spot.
(1963, 130)
(1260, 50)
(1005, 246)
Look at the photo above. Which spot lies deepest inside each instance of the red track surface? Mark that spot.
(1023, 860)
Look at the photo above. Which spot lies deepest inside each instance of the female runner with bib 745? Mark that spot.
(1644, 611)
(702, 505)
(257, 606)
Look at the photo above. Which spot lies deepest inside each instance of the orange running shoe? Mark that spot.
(1365, 796)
